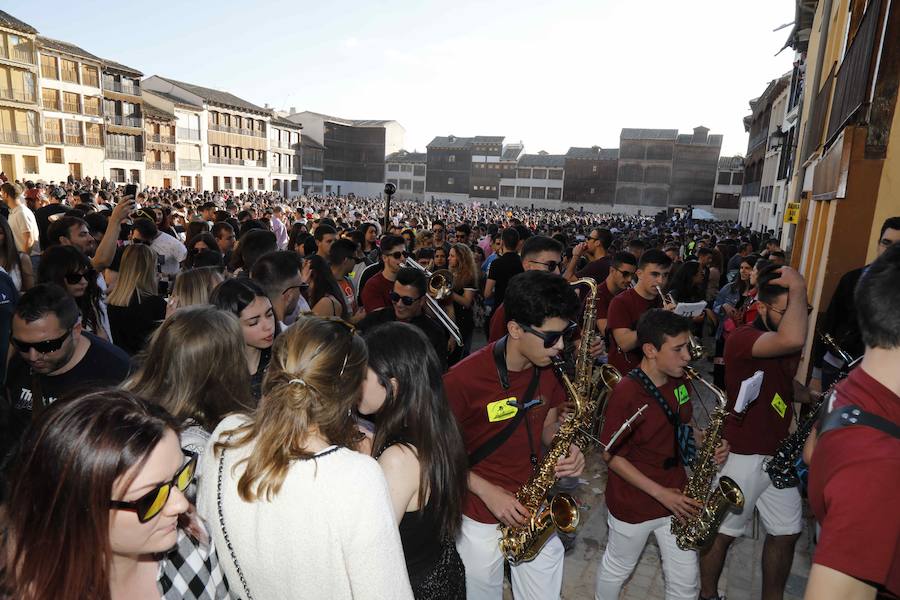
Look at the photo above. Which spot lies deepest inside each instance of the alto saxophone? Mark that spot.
(592, 383)
(694, 533)
(521, 544)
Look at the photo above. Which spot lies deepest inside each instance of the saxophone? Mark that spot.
(696, 532)
(781, 467)
(521, 544)
(593, 384)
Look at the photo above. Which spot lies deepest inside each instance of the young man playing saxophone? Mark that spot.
(646, 466)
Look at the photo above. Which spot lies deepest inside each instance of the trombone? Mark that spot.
(439, 287)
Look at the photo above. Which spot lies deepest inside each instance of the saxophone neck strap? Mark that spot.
(498, 439)
(638, 375)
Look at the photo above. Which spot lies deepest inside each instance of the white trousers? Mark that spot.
(623, 550)
(478, 545)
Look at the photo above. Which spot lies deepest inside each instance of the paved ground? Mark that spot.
(741, 579)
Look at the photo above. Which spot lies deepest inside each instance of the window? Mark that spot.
(262, 182)
(117, 175)
(70, 102)
(236, 121)
(539, 193)
(53, 131)
(419, 171)
(50, 99)
(69, 70)
(239, 183)
(93, 134)
(405, 184)
(73, 132)
(92, 106)
(449, 181)
(228, 183)
(507, 191)
(89, 76)
(393, 167)
(593, 169)
(554, 193)
(418, 187)
(135, 176)
(48, 67)
(213, 118)
(55, 156)
(522, 192)
(555, 174)
(523, 174)
(451, 158)
(737, 178)
(406, 168)
(31, 164)
(539, 174)
(724, 177)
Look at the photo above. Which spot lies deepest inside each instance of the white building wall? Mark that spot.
(394, 135)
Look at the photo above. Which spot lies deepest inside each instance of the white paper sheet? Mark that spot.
(690, 309)
(749, 391)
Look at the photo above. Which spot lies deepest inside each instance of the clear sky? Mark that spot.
(551, 74)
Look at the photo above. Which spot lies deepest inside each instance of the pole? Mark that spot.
(389, 190)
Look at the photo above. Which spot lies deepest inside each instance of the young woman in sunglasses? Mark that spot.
(303, 515)
(68, 268)
(98, 511)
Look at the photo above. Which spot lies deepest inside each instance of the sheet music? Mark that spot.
(749, 392)
(690, 309)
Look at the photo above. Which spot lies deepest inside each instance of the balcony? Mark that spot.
(183, 133)
(160, 166)
(18, 95)
(124, 121)
(750, 189)
(122, 154)
(122, 88)
(93, 142)
(160, 139)
(189, 164)
(757, 140)
(53, 137)
(74, 140)
(92, 111)
(284, 170)
(17, 54)
(22, 139)
(224, 160)
(71, 107)
(237, 130)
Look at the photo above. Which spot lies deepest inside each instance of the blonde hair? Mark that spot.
(466, 273)
(314, 380)
(194, 366)
(137, 274)
(195, 285)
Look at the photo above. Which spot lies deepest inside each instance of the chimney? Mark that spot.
(266, 106)
(293, 110)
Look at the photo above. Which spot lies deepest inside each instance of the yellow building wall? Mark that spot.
(888, 204)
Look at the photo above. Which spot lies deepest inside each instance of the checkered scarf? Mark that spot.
(191, 570)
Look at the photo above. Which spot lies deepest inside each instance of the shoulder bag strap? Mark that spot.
(638, 375)
(853, 415)
(237, 567)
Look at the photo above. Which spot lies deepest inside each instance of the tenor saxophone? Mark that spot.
(521, 544)
(592, 383)
(694, 533)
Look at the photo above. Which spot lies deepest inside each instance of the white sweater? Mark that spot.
(329, 533)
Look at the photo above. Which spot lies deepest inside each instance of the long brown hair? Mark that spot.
(314, 381)
(194, 366)
(62, 489)
(137, 275)
(465, 275)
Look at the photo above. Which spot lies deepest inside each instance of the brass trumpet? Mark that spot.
(440, 286)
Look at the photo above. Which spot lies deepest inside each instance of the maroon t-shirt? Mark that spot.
(766, 422)
(478, 402)
(604, 298)
(854, 484)
(647, 445)
(497, 327)
(377, 293)
(596, 269)
(624, 311)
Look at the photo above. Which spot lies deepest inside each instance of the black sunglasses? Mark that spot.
(550, 337)
(45, 347)
(625, 274)
(74, 278)
(395, 297)
(398, 255)
(551, 265)
(150, 504)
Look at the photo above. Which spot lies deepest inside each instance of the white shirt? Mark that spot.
(329, 533)
(280, 231)
(22, 220)
(172, 249)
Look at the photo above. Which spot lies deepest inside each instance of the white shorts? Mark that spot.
(781, 511)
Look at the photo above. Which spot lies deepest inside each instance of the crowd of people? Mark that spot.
(240, 395)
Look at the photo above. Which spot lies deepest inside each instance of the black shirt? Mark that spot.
(132, 325)
(435, 333)
(42, 217)
(501, 271)
(840, 319)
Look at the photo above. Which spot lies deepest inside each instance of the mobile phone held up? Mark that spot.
(131, 191)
